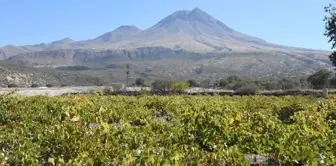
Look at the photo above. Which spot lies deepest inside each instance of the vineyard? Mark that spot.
(167, 130)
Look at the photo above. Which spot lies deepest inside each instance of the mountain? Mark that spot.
(63, 41)
(193, 30)
(26, 76)
(11, 50)
(119, 34)
(190, 30)
(2, 55)
(180, 45)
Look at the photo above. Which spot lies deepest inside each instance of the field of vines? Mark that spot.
(167, 130)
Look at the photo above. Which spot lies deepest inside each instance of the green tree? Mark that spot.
(248, 89)
(231, 82)
(139, 82)
(205, 83)
(287, 84)
(330, 29)
(193, 83)
(162, 85)
(180, 86)
(233, 79)
(223, 83)
(320, 79)
(271, 85)
(333, 82)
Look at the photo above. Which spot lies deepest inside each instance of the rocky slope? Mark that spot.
(26, 77)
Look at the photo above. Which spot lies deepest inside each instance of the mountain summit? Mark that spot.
(193, 30)
(118, 34)
(198, 23)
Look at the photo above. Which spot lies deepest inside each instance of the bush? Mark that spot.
(49, 85)
(139, 82)
(12, 86)
(35, 85)
(73, 68)
(223, 83)
(162, 85)
(116, 87)
(331, 119)
(180, 86)
(193, 83)
(238, 85)
(108, 90)
(249, 89)
(205, 83)
(320, 79)
(111, 66)
(144, 91)
(286, 113)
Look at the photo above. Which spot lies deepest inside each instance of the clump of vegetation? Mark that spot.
(320, 79)
(116, 87)
(180, 86)
(49, 85)
(111, 66)
(193, 83)
(35, 86)
(162, 85)
(249, 89)
(144, 92)
(12, 86)
(73, 68)
(140, 82)
(108, 90)
(331, 119)
(286, 113)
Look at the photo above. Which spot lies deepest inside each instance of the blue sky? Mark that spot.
(287, 22)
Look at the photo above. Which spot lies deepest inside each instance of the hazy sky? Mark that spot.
(288, 22)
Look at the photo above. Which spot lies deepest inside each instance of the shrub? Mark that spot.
(239, 85)
(320, 79)
(49, 85)
(97, 82)
(139, 82)
(249, 89)
(205, 83)
(193, 83)
(162, 85)
(116, 87)
(111, 66)
(180, 86)
(223, 83)
(286, 113)
(144, 91)
(12, 86)
(73, 68)
(35, 85)
(331, 119)
(108, 90)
